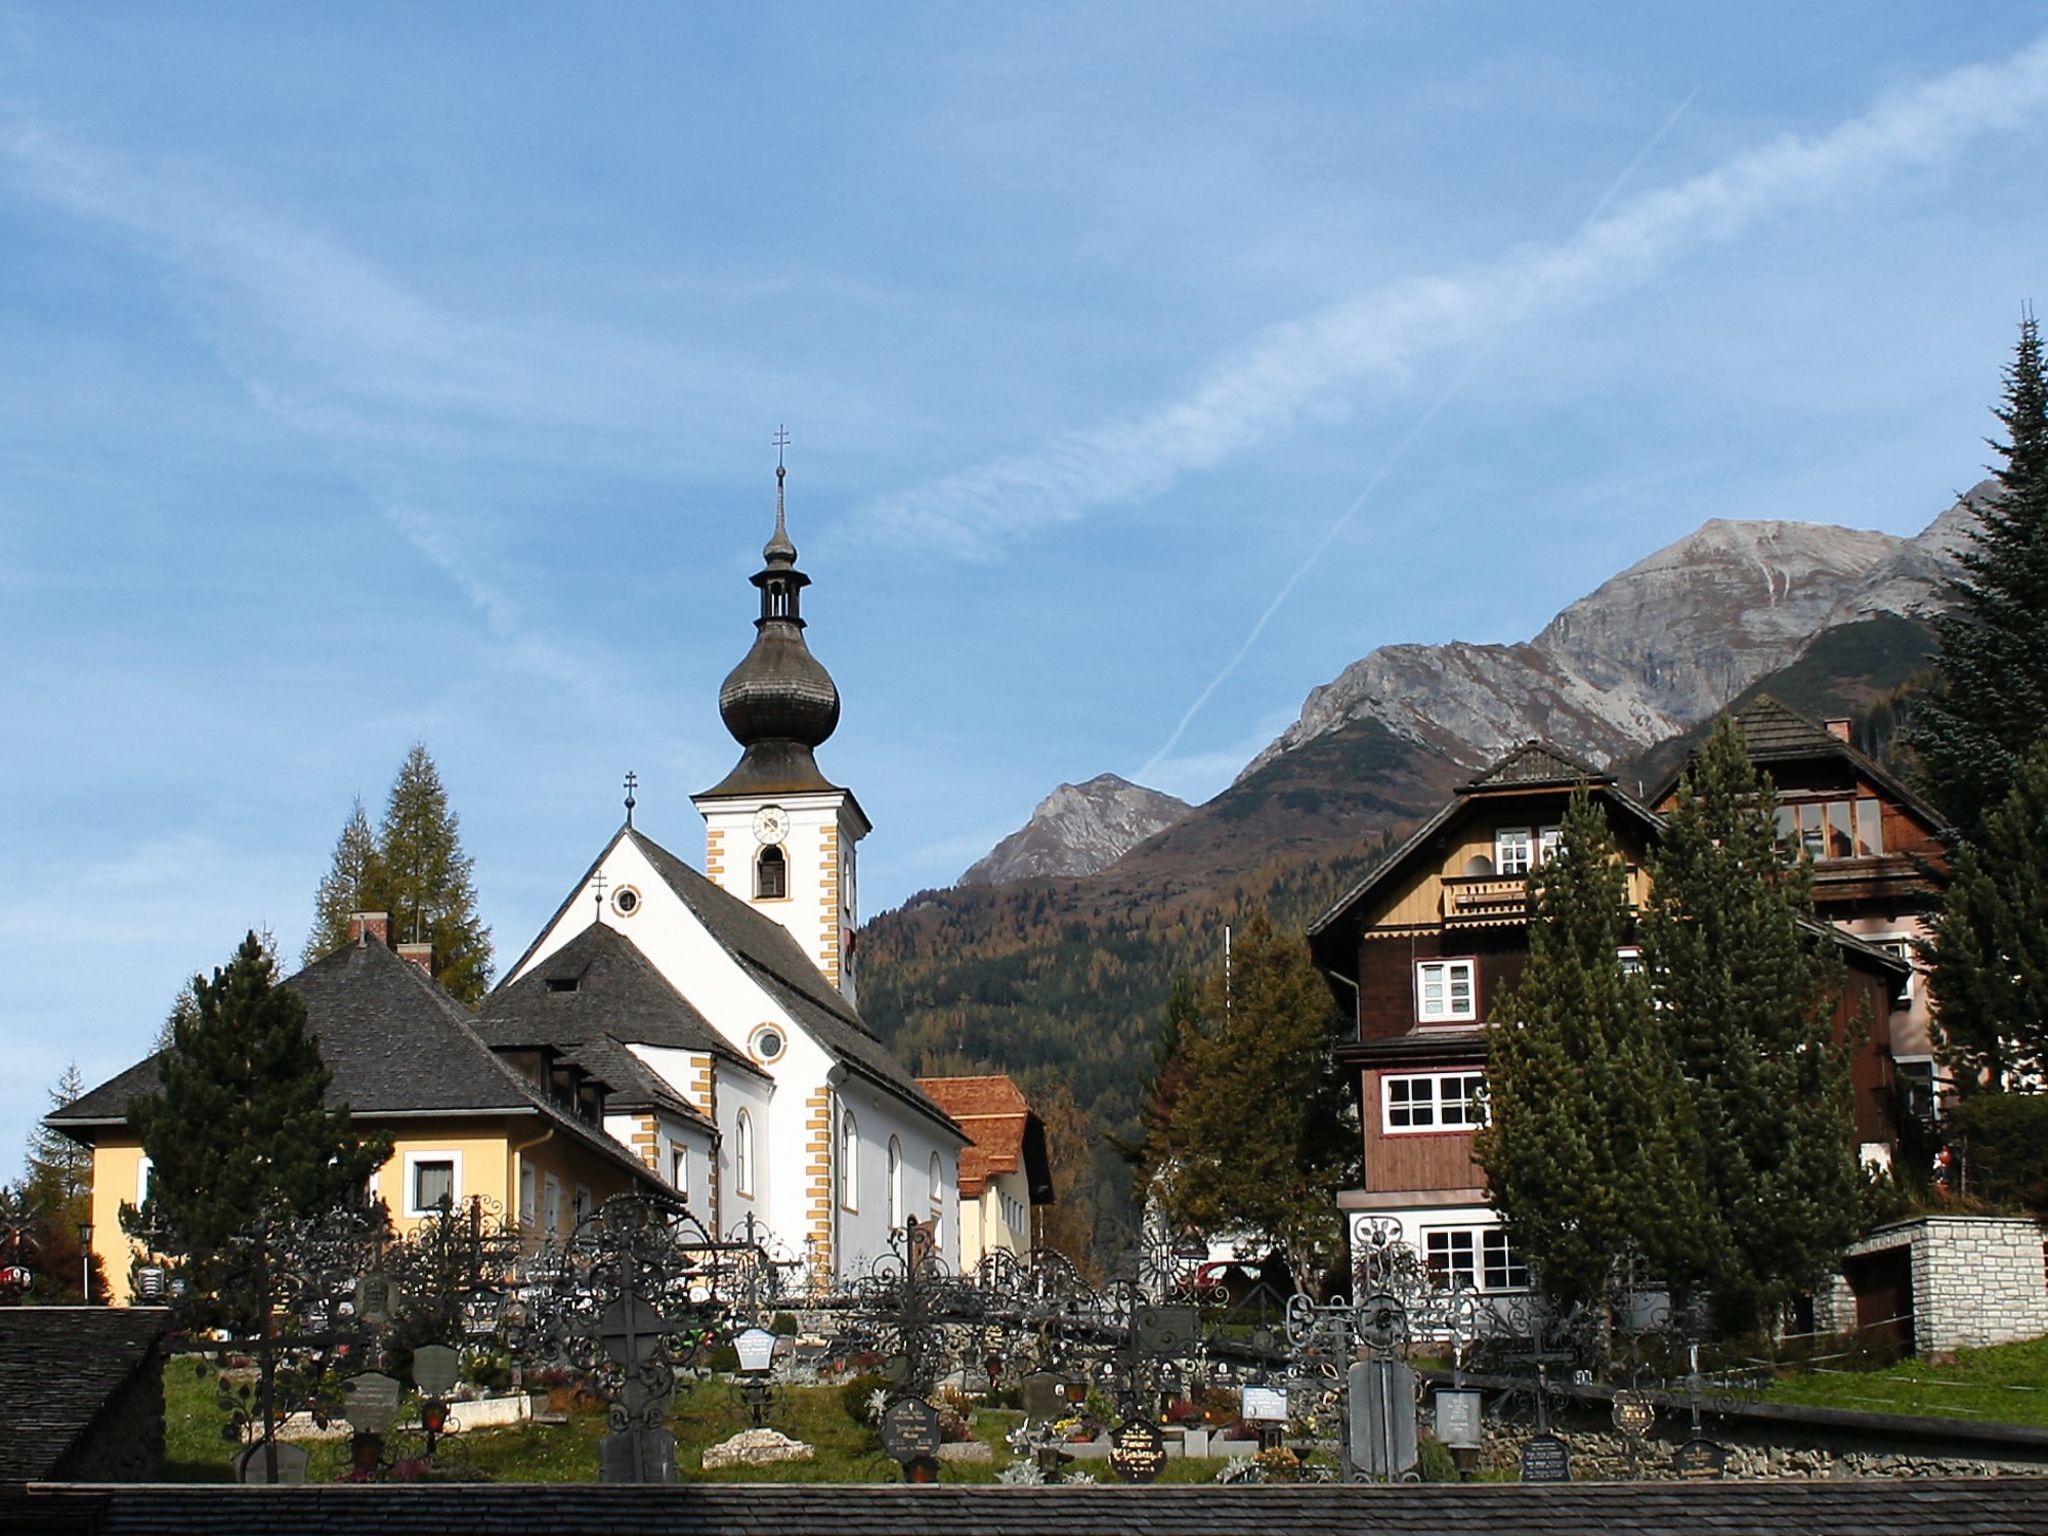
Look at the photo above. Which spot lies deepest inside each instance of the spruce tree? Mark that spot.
(1260, 1133)
(1990, 696)
(1589, 1150)
(239, 1132)
(1989, 950)
(1745, 985)
(56, 1191)
(355, 882)
(433, 893)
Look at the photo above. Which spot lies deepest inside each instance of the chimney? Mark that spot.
(421, 955)
(1839, 729)
(370, 925)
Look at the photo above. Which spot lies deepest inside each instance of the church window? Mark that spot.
(767, 1043)
(679, 1168)
(849, 1162)
(771, 875)
(938, 1181)
(895, 1183)
(743, 1153)
(625, 901)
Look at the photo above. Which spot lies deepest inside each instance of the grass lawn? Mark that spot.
(706, 1412)
(2007, 1384)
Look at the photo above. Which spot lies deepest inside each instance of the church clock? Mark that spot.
(771, 825)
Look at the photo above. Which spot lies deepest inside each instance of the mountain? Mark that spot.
(1078, 829)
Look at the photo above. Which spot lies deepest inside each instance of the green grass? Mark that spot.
(2006, 1384)
(706, 1412)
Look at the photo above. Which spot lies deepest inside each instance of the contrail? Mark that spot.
(1393, 460)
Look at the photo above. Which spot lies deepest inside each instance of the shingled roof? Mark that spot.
(1538, 763)
(60, 1367)
(1005, 1135)
(1777, 1507)
(394, 1042)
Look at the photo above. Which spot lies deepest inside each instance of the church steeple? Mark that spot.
(779, 703)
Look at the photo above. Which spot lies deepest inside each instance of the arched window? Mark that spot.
(895, 1183)
(771, 874)
(743, 1153)
(849, 1161)
(937, 1177)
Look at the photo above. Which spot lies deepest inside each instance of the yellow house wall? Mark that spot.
(489, 1167)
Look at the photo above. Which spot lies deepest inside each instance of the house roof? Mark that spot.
(634, 1085)
(58, 1367)
(1004, 1134)
(394, 1043)
(769, 954)
(1530, 766)
(1775, 733)
(1878, 1506)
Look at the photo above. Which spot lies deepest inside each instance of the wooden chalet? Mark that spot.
(1422, 951)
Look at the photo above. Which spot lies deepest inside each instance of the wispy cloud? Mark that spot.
(1290, 370)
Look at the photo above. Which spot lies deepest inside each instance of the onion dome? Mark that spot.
(779, 702)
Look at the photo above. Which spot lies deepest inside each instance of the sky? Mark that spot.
(384, 374)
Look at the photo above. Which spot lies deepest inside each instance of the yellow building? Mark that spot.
(406, 1060)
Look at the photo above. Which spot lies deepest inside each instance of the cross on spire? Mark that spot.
(597, 891)
(781, 442)
(632, 783)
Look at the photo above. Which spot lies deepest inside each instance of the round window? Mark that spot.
(767, 1043)
(625, 901)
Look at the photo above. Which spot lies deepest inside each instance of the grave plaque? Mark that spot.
(373, 1300)
(435, 1368)
(1137, 1451)
(1457, 1417)
(1699, 1458)
(1165, 1330)
(1264, 1405)
(1045, 1395)
(910, 1431)
(1546, 1459)
(1382, 1417)
(272, 1461)
(370, 1402)
(1634, 1413)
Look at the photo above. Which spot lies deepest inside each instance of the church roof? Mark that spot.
(634, 1085)
(599, 983)
(395, 1043)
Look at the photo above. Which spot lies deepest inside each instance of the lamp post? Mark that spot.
(85, 1257)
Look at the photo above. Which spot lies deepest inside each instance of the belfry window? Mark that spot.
(771, 875)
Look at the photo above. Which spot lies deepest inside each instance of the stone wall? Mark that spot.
(1604, 1456)
(1977, 1280)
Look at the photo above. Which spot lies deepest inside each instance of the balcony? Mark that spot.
(1478, 900)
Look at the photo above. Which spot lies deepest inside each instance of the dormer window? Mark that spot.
(562, 983)
(771, 874)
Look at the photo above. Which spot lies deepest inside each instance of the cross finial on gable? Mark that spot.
(632, 783)
(597, 890)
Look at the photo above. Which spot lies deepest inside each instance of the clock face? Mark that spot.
(771, 824)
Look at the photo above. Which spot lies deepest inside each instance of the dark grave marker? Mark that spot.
(370, 1402)
(1045, 1395)
(1137, 1451)
(272, 1461)
(1546, 1459)
(910, 1435)
(1699, 1459)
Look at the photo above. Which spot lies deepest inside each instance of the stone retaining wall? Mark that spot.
(1604, 1456)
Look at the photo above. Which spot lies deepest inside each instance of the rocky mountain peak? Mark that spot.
(1079, 829)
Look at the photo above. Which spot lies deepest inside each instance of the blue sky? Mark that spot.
(375, 374)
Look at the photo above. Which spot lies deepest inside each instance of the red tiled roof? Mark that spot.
(994, 1113)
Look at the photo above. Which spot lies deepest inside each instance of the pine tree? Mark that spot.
(239, 1131)
(414, 869)
(1589, 1151)
(56, 1194)
(355, 882)
(1989, 950)
(1261, 1136)
(1745, 988)
(1990, 696)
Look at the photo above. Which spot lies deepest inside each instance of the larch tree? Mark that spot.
(1260, 1133)
(1745, 986)
(1589, 1148)
(1989, 699)
(56, 1190)
(239, 1133)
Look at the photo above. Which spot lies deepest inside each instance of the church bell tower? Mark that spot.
(777, 833)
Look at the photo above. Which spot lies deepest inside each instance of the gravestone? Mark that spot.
(1457, 1417)
(910, 1435)
(370, 1402)
(435, 1369)
(1045, 1395)
(1382, 1417)
(1546, 1459)
(1699, 1459)
(1137, 1452)
(272, 1461)
(638, 1456)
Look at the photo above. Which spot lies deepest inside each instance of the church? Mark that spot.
(732, 993)
(666, 1030)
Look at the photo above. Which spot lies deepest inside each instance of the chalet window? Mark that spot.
(430, 1183)
(1841, 828)
(1547, 842)
(1903, 948)
(1432, 1101)
(1476, 1257)
(1512, 850)
(1631, 958)
(771, 875)
(1444, 991)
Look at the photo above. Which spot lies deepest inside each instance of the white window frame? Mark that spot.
(143, 1169)
(1901, 945)
(743, 1155)
(679, 1167)
(551, 1204)
(1432, 1105)
(849, 1162)
(1486, 1247)
(455, 1186)
(935, 1175)
(1521, 841)
(529, 1194)
(895, 1183)
(1449, 1013)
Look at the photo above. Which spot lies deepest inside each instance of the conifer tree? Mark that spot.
(1990, 696)
(1260, 1133)
(1589, 1150)
(1745, 987)
(239, 1131)
(415, 869)
(56, 1193)
(1989, 951)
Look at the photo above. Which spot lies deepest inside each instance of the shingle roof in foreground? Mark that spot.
(1874, 1507)
(58, 1367)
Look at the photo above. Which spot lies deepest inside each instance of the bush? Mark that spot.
(857, 1392)
(784, 1325)
(1433, 1460)
(2003, 1138)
